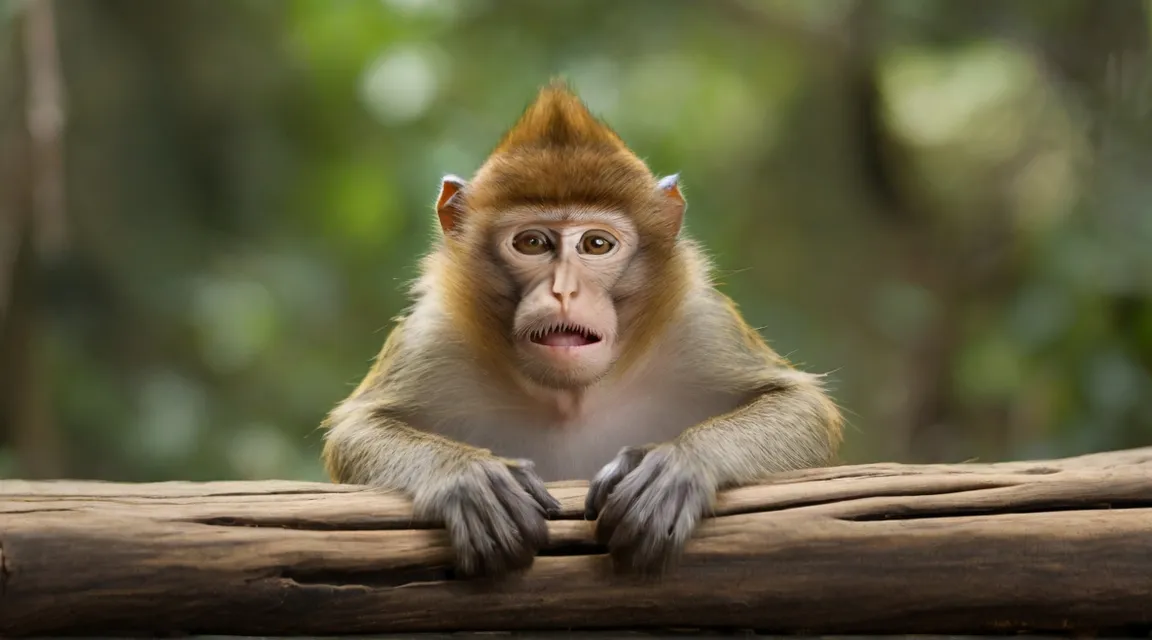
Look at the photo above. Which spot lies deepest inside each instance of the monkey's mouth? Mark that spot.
(565, 335)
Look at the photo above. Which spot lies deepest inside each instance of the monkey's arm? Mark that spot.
(366, 443)
(493, 508)
(650, 498)
(791, 424)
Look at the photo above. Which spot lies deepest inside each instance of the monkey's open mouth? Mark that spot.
(565, 335)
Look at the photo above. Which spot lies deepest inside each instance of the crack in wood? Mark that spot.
(260, 494)
(352, 579)
(877, 471)
(14, 511)
(579, 548)
(959, 512)
(320, 495)
(313, 525)
(895, 492)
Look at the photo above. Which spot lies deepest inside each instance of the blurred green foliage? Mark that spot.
(943, 203)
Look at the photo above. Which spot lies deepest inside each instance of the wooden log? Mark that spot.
(1049, 546)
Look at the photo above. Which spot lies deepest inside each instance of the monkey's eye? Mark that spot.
(597, 243)
(532, 243)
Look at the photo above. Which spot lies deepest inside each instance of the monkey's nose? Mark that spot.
(564, 287)
(564, 298)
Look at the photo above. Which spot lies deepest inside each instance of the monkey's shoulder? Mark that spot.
(713, 340)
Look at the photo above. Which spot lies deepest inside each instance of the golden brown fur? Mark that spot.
(559, 153)
(694, 399)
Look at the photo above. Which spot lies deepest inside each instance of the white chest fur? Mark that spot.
(651, 409)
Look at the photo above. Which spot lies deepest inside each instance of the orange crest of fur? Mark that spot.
(558, 118)
(559, 153)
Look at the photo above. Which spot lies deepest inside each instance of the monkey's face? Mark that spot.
(566, 264)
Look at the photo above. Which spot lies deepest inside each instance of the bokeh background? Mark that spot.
(209, 209)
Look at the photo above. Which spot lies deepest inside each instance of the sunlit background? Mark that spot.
(209, 210)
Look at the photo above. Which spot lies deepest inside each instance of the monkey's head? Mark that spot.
(562, 248)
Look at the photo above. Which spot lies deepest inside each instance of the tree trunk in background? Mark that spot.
(25, 406)
(26, 422)
(924, 426)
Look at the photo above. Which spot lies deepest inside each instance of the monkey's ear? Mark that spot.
(674, 204)
(449, 205)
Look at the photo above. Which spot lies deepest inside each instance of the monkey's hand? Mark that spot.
(649, 501)
(495, 511)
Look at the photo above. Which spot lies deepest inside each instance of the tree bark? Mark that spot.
(1048, 546)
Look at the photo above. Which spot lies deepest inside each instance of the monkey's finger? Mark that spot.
(687, 519)
(643, 534)
(667, 535)
(525, 475)
(600, 487)
(527, 514)
(644, 522)
(469, 541)
(657, 541)
(623, 499)
(610, 475)
(678, 523)
(511, 552)
(640, 542)
(486, 541)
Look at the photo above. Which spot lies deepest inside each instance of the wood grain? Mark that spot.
(1050, 546)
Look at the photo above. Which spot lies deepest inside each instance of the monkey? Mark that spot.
(564, 325)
